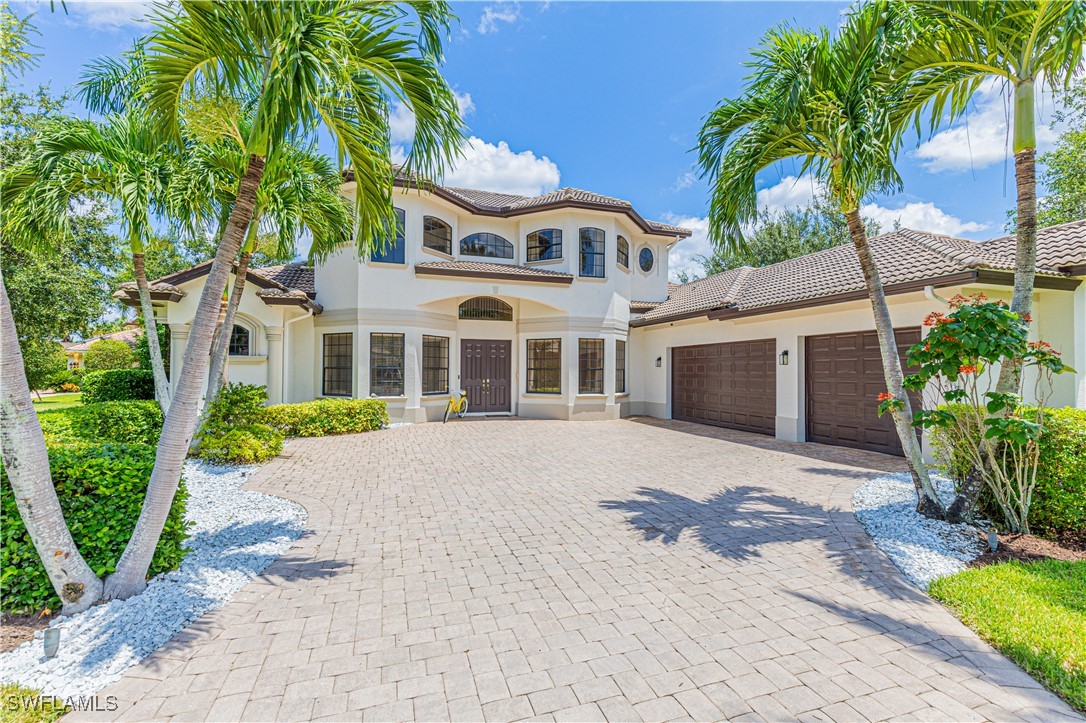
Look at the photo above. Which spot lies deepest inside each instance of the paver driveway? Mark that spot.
(577, 571)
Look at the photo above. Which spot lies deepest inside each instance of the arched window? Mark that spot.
(239, 341)
(545, 244)
(486, 244)
(592, 252)
(391, 250)
(486, 308)
(623, 252)
(436, 234)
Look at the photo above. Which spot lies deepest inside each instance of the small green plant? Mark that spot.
(101, 488)
(232, 433)
(108, 354)
(118, 385)
(134, 422)
(324, 417)
(955, 376)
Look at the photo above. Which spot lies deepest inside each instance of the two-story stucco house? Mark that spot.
(559, 306)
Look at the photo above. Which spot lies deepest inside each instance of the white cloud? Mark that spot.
(790, 193)
(981, 138)
(109, 14)
(498, 168)
(921, 216)
(401, 120)
(684, 181)
(499, 12)
(681, 257)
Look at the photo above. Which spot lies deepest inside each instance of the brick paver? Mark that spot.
(621, 570)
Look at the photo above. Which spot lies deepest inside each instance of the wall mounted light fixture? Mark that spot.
(783, 358)
(659, 361)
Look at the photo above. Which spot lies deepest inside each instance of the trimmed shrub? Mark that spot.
(109, 354)
(1059, 500)
(250, 444)
(325, 417)
(135, 422)
(118, 385)
(101, 490)
(231, 433)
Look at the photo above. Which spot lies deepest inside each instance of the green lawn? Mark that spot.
(57, 401)
(24, 705)
(1035, 613)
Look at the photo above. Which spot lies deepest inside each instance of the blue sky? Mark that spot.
(609, 96)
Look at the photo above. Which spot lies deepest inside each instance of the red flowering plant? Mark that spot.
(956, 377)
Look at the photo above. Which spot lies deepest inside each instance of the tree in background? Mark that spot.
(41, 360)
(825, 99)
(107, 354)
(781, 235)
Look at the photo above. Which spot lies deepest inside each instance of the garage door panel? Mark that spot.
(844, 378)
(733, 385)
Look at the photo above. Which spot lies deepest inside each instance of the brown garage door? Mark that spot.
(727, 385)
(844, 380)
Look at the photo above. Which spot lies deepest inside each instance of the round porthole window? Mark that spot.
(645, 259)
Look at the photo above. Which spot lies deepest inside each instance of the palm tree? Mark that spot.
(1023, 43)
(126, 163)
(822, 99)
(298, 194)
(309, 64)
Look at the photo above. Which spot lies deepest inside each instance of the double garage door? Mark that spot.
(734, 385)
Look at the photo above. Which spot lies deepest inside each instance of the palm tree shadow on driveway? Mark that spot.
(737, 523)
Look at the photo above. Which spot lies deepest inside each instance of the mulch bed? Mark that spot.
(17, 629)
(1029, 548)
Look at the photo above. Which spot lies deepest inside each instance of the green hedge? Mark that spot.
(324, 417)
(101, 490)
(1059, 501)
(135, 422)
(250, 444)
(118, 385)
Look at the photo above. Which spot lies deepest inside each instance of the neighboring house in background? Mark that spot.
(558, 306)
(75, 350)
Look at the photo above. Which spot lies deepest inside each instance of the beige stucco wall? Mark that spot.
(1060, 317)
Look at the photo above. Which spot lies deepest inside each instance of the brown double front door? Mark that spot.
(485, 366)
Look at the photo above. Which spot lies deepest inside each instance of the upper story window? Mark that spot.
(592, 252)
(239, 341)
(436, 234)
(645, 259)
(486, 244)
(623, 252)
(545, 244)
(486, 308)
(392, 251)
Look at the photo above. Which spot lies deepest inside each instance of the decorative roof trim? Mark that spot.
(651, 228)
(528, 278)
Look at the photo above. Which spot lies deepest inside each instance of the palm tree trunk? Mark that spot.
(177, 429)
(150, 328)
(27, 464)
(1025, 255)
(222, 346)
(928, 502)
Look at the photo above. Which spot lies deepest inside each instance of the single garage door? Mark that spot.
(730, 385)
(844, 380)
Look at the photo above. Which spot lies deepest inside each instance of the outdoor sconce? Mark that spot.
(659, 361)
(783, 358)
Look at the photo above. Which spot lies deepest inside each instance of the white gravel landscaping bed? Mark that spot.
(234, 535)
(923, 549)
